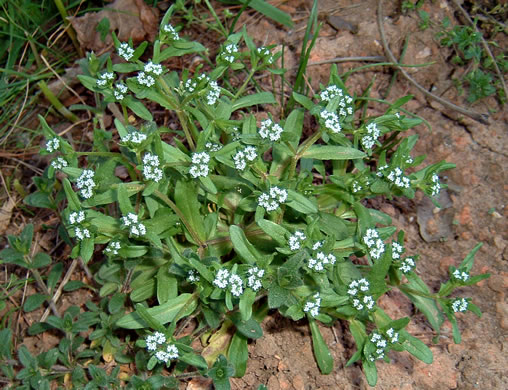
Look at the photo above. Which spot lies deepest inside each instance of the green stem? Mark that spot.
(245, 83)
(183, 121)
(416, 292)
(125, 115)
(70, 31)
(221, 27)
(56, 103)
(302, 149)
(178, 212)
(100, 154)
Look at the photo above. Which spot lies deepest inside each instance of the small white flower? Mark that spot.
(374, 243)
(105, 78)
(254, 278)
(213, 147)
(213, 94)
(265, 54)
(436, 186)
(151, 344)
(321, 261)
(397, 250)
(76, 217)
(370, 139)
(136, 228)
(460, 275)
(81, 233)
(270, 130)
(162, 356)
(394, 336)
(173, 35)
(407, 265)
(120, 91)
(152, 68)
(312, 306)
(228, 54)
(296, 240)
(356, 186)
(151, 170)
(134, 137)
(221, 278)
(125, 51)
(113, 248)
(192, 276)
(160, 338)
(199, 166)
(59, 163)
(241, 157)
(236, 285)
(398, 178)
(172, 351)
(145, 79)
(459, 305)
(86, 184)
(52, 145)
(331, 121)
(271, 201)
(330, 92)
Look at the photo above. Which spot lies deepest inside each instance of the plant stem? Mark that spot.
(245, 83)
(70, 31)
(56, 103)
(302, 149)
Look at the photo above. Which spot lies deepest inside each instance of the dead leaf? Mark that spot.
(5, 214)
(128, 18)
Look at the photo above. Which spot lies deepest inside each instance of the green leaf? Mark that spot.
(144, 291)
(186, 199)
(254, 99)
(86, 249)
(301, 203)
(163, 313)
(148, 318)
(242, 246)
(270, 12)
(249, 328)
(40, 260)
(275, 231)
(5, 343)
(246, 301)
(12, 256)
(25, 357)
(25, 238)
(123, 200)
(194, 360)
(332, 152)
(468, 261)
(138, 108)
(370, 370)
(321, 352)
(238, 354)
(72, 198)
(167, 285)
(33, 302)
(417, 348)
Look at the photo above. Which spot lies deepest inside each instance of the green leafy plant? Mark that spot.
(230, 215)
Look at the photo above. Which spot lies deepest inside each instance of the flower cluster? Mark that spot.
(59, 163)
(345, 101)
(199, 165)
(125, 51)
(460, 275)
(213, 147)
(398, 178)
(150, 70)
(53, 144)
(242, 156)
(151, 170)
(382, 343)
(265, 54)
(119, 91)
(113, 248)
(407, 265)
(356, 187)
(86, 183)
(459, 305)
(171, 32)
(370, 139)
(357, 290)
(397, 250)
(270, 130)
(105, 78)
(136, 228)
(436, 186)
(224, 279)
(271, 201)
(331, 121)
(135, 137)
(320, 261)
(312, 305)
(295, 241)
(76, 217)
(254, 278)
(213, 93)
(165, 351)
(193, 276)
(374, 243)
(228, 54)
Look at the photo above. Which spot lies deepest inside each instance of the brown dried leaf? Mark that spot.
(5, 214)
(128, 18)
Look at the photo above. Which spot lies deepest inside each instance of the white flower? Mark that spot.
(134, 137)
(125, 51)
(113, 248)
(104, 78)
(213, 94)
(155, 69)
(254, 278)
(312, 305)
(436, 186)
(192, 276)
(81, 233)
(199, 165)
(228, 54)
(221, 278)
(135, 228)
(317, 245)
(76, 217)
(151, 170)
(270, 130)
(321, 261)
(369, 140)
(331, 121)
(173, 35)
(162, 356)
(394, 336)
(271, 201)
(52, 145)
(249, 153)
(459, 305)
(151, 344)
(160, 338)
(86, 184)
(345, 101)
(236, 285)
(407, 265)
(398, 178)
(374, 243)
(172, 351)
(330, 92)
(264, 53)
(295, 240)
(356, 186)
(120, 91)
(145, 79)
(397, 250)
(189, 86)
(460, 275)
(59, 163)
(213, 147)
